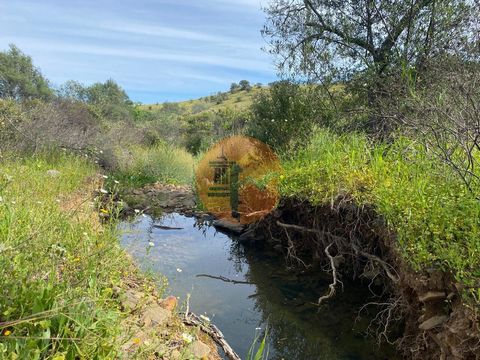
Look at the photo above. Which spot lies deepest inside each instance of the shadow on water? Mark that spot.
(285, 299)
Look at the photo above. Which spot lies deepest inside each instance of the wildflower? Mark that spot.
(151, 244)
(103, 191)
(105, 176)
(179, 270)
(136, 211)
(136, 341)
(105, 211)
(14, 202)
(187, 338)
(116, 181)
(77, 259)
(7, 332)
(85, 234)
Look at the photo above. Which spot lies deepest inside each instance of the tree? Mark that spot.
(19, 79)
(110, 100)
(234, 87)
(245, 85)
(337, 40)
(284, 116)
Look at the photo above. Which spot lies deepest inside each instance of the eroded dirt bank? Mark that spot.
(423, 312)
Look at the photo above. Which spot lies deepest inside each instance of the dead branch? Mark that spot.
(223, 278)
(211, 330)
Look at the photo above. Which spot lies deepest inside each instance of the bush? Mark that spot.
(139, 165)
(284, 116)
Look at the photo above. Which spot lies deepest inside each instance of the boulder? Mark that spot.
(199, 350)
(155, 315)
(433, 322)
(432, 296)
(229, 226)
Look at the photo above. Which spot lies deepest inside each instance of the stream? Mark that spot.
(280, 298)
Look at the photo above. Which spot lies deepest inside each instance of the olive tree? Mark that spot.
(325, 40)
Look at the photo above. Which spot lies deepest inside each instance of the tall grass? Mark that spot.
(56, 301)
(140, 165)
(434, 216)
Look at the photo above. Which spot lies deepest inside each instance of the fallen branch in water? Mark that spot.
(223, 278)
(163, 227)
(212, 331)
(334, 275)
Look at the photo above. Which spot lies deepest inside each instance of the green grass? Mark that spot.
(141, 165)
(56, 302)
(434, 216)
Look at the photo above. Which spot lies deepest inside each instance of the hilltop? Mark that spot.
(238, 101)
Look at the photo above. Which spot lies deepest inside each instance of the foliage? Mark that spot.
(422, 200)
(107, 100)
(56, 300)
(140, 165)
(19, 79)
(332, 39)
(368, 41)
(284, 116)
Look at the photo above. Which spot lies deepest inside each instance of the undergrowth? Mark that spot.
(432, 213)
(55, 302)
(141, 165)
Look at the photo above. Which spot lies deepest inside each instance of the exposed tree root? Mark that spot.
(333, 285)
(353, 241)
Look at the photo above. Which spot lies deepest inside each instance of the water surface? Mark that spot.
(280, 297)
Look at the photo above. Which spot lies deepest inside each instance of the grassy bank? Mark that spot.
(56, 302)
(428, 207)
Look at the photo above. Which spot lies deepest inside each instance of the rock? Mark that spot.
(175, 355)
(198, 349)
(247, 237)
(278, 248)
(434, 321)
(169, 303)
(53, 173)
(432, 296)
(236, 228)
(155, 315)
(130, 299)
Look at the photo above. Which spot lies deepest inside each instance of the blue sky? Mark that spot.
(157, 50)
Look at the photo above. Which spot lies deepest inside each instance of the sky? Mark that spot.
(157, 50)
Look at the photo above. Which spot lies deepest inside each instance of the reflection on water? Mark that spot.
(285, 299)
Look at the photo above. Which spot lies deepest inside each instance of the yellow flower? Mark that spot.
(7, 332)
(136, 341)
(104, 211)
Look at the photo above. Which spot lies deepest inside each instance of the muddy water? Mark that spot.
(282, 298)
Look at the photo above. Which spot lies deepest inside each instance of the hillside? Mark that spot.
(238, 101)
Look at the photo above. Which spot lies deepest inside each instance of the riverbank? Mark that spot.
(68, 288)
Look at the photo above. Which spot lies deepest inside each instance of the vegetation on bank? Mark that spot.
(56, 300)
(434, 216)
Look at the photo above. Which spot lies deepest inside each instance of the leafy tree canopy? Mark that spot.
(19, 79)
